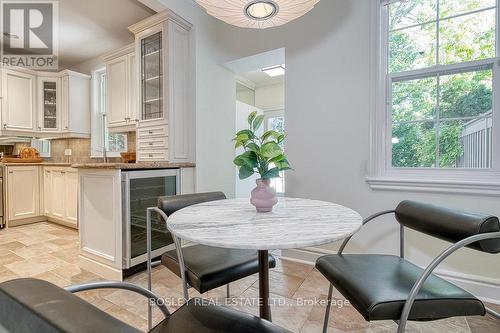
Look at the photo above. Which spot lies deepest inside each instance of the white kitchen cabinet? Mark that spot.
(121, 85)
(43, 104)
(18, 101)
(49, 104)
(60, 190)
(71, 196)
(75, 104)
(165, 91)
(23, 192)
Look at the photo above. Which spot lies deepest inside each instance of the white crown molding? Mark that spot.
(158, 18)
(127, 49)
(245, 82)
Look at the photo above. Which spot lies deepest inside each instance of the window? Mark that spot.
(275, 120)
(113, 143)
(437, 93)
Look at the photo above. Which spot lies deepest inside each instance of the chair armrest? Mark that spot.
(432, 266)
(121, 285)
(365, 221)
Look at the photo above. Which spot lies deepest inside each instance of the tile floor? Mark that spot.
(50, 252)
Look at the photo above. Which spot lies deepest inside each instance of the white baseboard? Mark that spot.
(486, 289)
(100, 269)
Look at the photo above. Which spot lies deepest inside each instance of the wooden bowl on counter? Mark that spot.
(128, 157)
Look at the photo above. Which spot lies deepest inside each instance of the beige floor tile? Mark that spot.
(53, 278)
(14, 245)
(129, 317)
(34, 250)
(294, 268)
(34, 266)
(9, 258)
(283, 284)
(6, 275)
(285, 311)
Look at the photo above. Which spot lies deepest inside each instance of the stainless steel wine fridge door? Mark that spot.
(140, 190)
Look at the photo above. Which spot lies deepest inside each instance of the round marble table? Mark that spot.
(294, 223)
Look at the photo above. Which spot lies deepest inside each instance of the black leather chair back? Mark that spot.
(29, 305)
(171, 204)
(449, 225)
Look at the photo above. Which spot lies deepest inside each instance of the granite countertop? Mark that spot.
(39, 163)
(134, 166)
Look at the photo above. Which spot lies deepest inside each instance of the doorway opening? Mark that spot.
(260, 86)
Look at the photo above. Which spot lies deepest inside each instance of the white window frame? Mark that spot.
(97, 139)
(382, 175)
(269, 114)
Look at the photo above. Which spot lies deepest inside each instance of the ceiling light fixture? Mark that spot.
(261, 10)
(275, 70)
(257, 14)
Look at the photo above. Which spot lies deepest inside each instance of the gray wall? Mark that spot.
(328, 123)
(328, 126)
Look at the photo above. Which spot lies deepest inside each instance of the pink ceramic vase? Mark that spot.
(263, 196)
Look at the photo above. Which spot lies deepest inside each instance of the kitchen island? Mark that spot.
(112, 203)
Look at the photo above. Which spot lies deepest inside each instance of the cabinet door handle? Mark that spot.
(4, 125)
(150, 155)
(11, 171)
(150, 132)
(150, 143)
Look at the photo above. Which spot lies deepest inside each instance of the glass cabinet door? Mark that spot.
(152, 77)
(49, 116)
(144, 193)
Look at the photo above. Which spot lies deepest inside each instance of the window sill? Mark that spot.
(434, 186)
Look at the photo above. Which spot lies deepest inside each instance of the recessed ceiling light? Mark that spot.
(261, 10)
(275, 70)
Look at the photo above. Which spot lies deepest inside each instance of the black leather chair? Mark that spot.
(385, 287)
(205, 267)
(37, 306)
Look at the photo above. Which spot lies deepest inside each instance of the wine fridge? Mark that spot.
(140, 190)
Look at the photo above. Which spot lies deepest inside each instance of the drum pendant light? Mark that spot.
(257, 14)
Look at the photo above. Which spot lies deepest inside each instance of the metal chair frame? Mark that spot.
(124, 286)
(423, 277)
(180, 257)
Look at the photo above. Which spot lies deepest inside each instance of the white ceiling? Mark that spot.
(89, 28)
(259, 78)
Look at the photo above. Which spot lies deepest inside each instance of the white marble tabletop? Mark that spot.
(294, 223)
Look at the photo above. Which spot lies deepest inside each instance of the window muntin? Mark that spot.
(114, 143)
(440, 59)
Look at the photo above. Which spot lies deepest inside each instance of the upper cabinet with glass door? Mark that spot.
(165, 131)
(152, 77)
(49, 99)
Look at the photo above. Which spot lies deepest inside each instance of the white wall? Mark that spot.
(328, 94)
(215, 96)
(270, 97)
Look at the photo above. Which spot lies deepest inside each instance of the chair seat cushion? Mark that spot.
(378, 286)
(37, 306)
(211, 267)
(201, 316)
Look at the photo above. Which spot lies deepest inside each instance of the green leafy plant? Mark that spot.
(263, 154)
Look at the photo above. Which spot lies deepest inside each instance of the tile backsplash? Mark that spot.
(81, 150)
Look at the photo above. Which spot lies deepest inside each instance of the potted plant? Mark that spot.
(263, 155)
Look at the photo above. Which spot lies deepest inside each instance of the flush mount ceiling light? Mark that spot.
(275, 70)
(257, 14)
